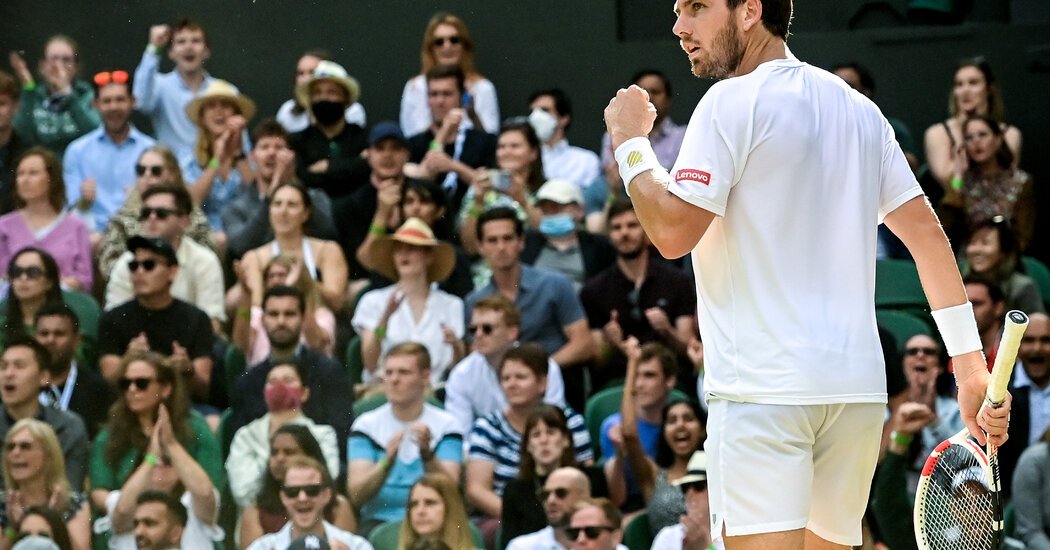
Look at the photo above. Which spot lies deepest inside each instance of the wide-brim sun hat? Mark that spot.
(329, 70)
(220, 89)
(695, 471)
(415, 232)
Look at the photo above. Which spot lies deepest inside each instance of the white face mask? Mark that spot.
(543, 123)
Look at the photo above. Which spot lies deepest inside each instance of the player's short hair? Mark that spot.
(609, 510)
(441, 72)
(659, 352)
(268, 128)
(412, 349)
(530, 355)
(652, 72)
(500, 304)
(9, 86)
(183, 201)
(176, 511)
(188, 24)
(776, 16)
(499, 213)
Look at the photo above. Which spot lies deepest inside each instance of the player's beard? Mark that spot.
(726, 54)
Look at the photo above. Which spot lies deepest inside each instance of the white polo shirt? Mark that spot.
(799, 170)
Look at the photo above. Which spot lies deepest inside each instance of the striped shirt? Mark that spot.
(494, 440)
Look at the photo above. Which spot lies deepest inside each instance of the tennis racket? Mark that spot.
(958, 502)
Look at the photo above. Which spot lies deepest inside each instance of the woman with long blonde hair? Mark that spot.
(435, 510)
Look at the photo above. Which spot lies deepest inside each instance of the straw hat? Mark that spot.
(696, 470)
(329, 70)
(220, 89)
(415, 232)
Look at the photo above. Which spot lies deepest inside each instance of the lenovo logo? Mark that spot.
(688, 174)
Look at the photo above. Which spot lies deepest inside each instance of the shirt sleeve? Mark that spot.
(244, 468)
(118, 290)
(144, 85)
(203, 337)
(82, 268)
(898, 184)
(368, 311)
(456, 402)
(482, 446)
(210, 286)
(555, 393)
(569, 308)
(361, 448)
(103, 476)
(72, 172)
(581, 439)
(450, 448)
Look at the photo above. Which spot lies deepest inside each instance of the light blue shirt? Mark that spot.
(96, 155)
(568, 162)
(164, 98)
(222, 191)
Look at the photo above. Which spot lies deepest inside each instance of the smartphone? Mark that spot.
(467, 101)
(500, 179)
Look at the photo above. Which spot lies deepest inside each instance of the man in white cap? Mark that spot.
(694, 528)
(560, 243)
(328, 152)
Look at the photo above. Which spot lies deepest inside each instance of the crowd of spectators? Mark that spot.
(247, 330)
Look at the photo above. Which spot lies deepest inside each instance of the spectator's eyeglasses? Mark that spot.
(110, 77)
(140, 383)
(31, 272)
(162, 213)
(155, 170)
(591, 531)
(292, 491)
(559, 493)
(917, 351)
(486, 328)
(440, 41)
(20, 445)
(147, 265)
(698, 486)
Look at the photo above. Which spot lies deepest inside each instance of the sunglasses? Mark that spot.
(156, 170)
(20, 445)
(591, 531)
(916, 351)
(110, 77)
(292, 491)
(140, 383)
(162, 213)
(486, 328)
(699, 486)
(31, 272)
(146, 265)
(440, 41)
(559, 493)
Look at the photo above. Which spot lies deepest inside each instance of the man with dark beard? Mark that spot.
(638, 296)
(784, 175)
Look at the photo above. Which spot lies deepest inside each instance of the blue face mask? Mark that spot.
(557, 225)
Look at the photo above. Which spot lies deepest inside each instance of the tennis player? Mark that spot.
(782, 179)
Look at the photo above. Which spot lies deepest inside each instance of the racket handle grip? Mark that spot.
(1006, 356)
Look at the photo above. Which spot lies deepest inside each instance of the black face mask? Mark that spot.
(327, 112)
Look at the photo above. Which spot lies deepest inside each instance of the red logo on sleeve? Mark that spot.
(689, 174)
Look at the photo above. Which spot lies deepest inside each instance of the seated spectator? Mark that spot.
(12, 144)
(640, 296)
(683, 431)
(411, 309)
(58, 110)
(328, 152)
(290, 209)
(693, 529)
(43, 522)
(447, 41)
(218, 167)
(562, 489)
(990, 184)
(392, 446)
(249, 332)
(922, 369)
(155, 320)
(32, 276)
(285, 392)
(546, 449)
(293, 114)
(560, 243)
(165, 215)
(989, 309)
(1032, 495)
(164, 97)
(891, 504)
(167, 467)
(1034, 374)
(40, 220)
(24, 370)
(435, 510)
(561, 160)
(148, 381)
(160, 521)
(34, 476)
(598, 521)
(514, 184)
(330, 399)
(992, 253)
(452, 148)
(306, 492)
(97, 166)
(73, 385)
(246, 218)
(266, 514)
(495, 440)
(156, 166)
(473, 389)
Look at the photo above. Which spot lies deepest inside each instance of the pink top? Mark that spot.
(67, 243)
(260, 349)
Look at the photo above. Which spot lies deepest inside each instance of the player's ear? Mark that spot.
(750, 14)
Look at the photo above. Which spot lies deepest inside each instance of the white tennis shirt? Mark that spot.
(799, 170)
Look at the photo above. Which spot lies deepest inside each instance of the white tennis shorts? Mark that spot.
(778, 468)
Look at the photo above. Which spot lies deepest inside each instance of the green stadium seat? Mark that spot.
(1040, 274)
(902, 325)
(604, 404)
(897, 285)
(234, 365)
(355, 365)
(638, 535)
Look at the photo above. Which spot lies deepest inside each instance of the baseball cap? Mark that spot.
(560, 191)
(386, 130)
(160, 246)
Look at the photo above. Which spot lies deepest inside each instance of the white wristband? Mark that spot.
(958, 329)
(635, 156)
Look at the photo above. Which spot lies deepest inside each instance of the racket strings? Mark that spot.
(959, 505)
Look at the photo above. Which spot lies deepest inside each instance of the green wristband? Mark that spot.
(29, 86)
(956, 183)
(901, 439)
(380, 332)
(155, 50)
(151, 459)
(377, 230)
(213, 163)
(436, 145)
(10, 533)
(475, 211)
(384, 463)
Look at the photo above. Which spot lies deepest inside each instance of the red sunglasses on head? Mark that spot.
(111, 77)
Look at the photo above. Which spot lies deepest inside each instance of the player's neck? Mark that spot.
(765, 47)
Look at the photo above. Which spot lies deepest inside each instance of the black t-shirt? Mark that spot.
(179, 322)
